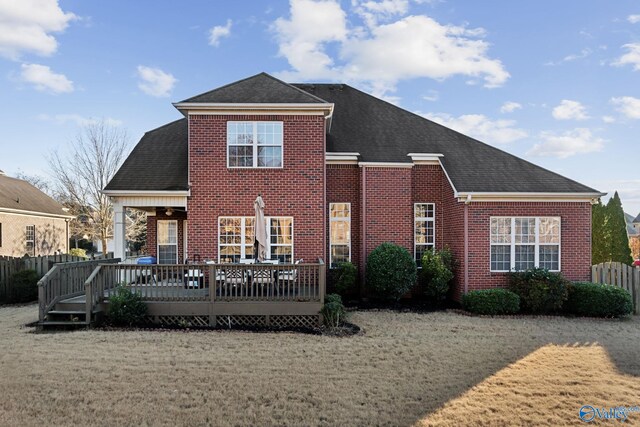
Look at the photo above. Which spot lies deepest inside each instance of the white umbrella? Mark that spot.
(260, 229)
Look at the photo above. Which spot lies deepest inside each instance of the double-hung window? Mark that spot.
(236, 238)
(254, 144)
(167, 242)
(521, 243)
(423, 229)
(339, 233)
(30, 240)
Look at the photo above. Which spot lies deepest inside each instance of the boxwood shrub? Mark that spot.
(23, 286)
(126, 308)
(540, 290)
(391, 271)
(598, 300)
(333, 312)
(491, 301)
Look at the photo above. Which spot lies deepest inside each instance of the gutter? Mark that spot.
(35, 213)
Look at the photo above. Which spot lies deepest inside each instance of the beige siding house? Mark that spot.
(31, 223)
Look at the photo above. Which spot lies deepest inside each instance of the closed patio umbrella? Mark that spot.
(260, 229)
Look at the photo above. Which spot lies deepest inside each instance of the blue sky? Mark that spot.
(557, 83)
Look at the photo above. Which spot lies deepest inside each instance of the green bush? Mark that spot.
(23, 286)
(333, 311)
(391, 271)
(78, 252)
(540, 290)
(345, 278)
(598, 300)
(491, 301)
(437, 273)
(126, 308)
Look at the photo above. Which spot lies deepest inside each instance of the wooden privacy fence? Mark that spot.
(621, 275)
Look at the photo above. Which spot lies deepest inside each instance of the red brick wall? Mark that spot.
(453, 237)
(575, 237)
(343, 186)
(428, 183)
(295, 190)
(152, 231)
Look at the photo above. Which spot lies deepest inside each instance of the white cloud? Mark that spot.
(374, 11)
(218, 32)
(608, 119)
(510, 107)
(572, 57)
(567, 144)
(78, 120)
(627, 105)
(26, 26)
(632, 57)
(43, 79)
(432, 96)
(634, 19)
(380, 55)
(481, 127)
(155, 82)
(570, 110)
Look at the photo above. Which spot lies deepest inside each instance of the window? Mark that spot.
(423, 229)
(339, 233)
(254, 144)
(236, 237)
(167, 242)
(525, 242)
(0, 234)
(30, 240)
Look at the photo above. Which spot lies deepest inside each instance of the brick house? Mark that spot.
(31, 223)
(341, 172)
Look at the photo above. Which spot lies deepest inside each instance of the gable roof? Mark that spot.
(378, 130)
(159, 162)
(19, 195)
(383, 132)
(637, 219)
(259, 89)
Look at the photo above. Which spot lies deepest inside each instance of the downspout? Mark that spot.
(325, 205)
(466, 244)
(363, 226)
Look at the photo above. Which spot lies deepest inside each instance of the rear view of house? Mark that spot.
(31, 223)
(341, 172)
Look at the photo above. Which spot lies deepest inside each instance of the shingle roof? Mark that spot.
(379, 131)
(259, 89)
(19, 194)
(383, 132)
(158, 163)
(637, 220)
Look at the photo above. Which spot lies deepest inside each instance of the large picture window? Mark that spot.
(521, 243)
(339, 233)
(167, 242)
(236, 237)
(423, 229)
(254, 144)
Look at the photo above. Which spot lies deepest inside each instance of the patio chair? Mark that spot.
(263, 277)
(235, 277)
(288, 277)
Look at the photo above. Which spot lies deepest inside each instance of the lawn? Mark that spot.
(405, 369)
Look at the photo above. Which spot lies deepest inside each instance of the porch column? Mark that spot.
(119, 227)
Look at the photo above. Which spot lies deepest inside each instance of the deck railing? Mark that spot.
(65, 281)
(212, 282)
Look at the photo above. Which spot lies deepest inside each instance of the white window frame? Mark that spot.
(255, 145)
(339, 219)
(167, 221)
(537, 243)
(415, 230)
(242, 236)
(33, 240)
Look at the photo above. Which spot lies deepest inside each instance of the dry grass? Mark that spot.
(408, 368)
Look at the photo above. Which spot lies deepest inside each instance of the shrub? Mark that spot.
(78, 252)
(333, 311)
(540, 290)
(23, 286)
(491, 301)
(126, 308)
(598, 300)
(391, 271)
(437, 273)
(345, 278)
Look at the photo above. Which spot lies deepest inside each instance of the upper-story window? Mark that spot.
(254, 144)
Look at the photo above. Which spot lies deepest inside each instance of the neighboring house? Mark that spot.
(636, 225)
(341, 172)
(31, 223)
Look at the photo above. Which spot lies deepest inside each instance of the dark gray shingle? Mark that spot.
(18, 194)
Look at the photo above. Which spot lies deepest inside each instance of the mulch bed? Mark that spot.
(529, 316)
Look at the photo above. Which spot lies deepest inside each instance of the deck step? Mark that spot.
(69, 312)
(47, 323)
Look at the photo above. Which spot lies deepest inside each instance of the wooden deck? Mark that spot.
(290, 294)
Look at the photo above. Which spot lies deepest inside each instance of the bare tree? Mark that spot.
(40, 182)
(79, 177)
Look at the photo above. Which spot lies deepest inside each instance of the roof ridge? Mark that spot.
(165, 125)
(296, 88)
(221, 87)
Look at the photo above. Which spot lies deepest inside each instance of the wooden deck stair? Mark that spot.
(70, 312)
